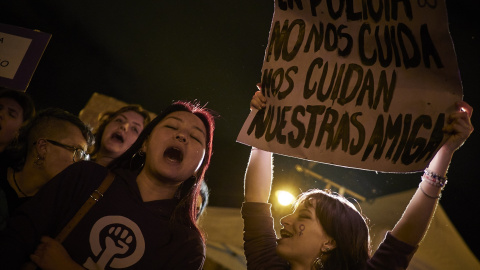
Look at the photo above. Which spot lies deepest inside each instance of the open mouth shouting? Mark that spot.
(173, 154)
(285, 234)
(117, 137)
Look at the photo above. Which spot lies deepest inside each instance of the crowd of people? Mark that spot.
(129, 193)
(158, 192)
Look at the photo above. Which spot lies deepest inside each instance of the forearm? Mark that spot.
(413, 225)
(259, 237)
(258, 177)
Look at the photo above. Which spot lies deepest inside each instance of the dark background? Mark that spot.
(153, 52)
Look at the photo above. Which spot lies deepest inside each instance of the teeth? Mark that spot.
(285, 234)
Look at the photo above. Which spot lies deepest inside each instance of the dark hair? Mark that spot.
(345, 224)
(185, 211)
(44, 121)
(205, 194)
(106, 117)
(22, 99)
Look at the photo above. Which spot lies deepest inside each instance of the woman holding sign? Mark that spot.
(326, 231)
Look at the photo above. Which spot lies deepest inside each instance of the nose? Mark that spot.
(124, 126)
(181, 138)
(286, 220)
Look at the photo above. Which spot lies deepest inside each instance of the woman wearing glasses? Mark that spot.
(51, 141)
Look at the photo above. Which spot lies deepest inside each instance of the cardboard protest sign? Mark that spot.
(98, 104)
(364, 84)
(20, 52)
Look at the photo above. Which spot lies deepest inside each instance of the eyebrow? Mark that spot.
(304, 210)
(10, 109)
(181, 120)
(133, 122)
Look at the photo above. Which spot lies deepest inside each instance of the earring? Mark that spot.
(137, 161)
(39, 161)
(317, 263)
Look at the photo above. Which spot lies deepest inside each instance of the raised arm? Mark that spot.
(259, 174)
(412, 226)
(258, 177)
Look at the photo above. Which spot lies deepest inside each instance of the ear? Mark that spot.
(329, 245)
(144, 146)
(41, 147)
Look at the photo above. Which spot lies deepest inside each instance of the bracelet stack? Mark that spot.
(434, 179)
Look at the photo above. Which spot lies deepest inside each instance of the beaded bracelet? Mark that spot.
(434, 182)
(429, 196)
(434, 179)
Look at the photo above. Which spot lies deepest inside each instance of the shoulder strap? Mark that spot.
(94, 197)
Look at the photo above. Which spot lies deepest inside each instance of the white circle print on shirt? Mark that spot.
(119, 235)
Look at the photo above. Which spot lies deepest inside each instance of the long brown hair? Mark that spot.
(345, 224)
(106, 117)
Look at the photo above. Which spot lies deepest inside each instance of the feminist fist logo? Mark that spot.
(116, 242)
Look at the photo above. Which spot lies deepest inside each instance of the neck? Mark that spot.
(151, 189)
(104, 158)
(300, 265)
(25, 183)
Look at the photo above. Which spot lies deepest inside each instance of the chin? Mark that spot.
(281, 252)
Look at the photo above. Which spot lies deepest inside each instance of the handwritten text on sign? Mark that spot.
(365, 84)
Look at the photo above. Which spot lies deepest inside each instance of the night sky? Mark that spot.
(154, 52)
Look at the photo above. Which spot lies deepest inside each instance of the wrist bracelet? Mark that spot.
(434, 175)
(434, 179)
(431, 197)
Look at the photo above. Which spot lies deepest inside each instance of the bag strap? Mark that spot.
(94, 197)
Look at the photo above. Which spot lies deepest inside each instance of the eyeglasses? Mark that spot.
(78, 153)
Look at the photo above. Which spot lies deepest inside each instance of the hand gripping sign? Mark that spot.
(363, 84)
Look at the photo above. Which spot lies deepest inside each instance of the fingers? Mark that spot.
(258, 101)
(459, 127)
(45, 242)
(50, 254)
(36, 259)
(464, 107)
(459, 123)
(46, 239)
(462, 115)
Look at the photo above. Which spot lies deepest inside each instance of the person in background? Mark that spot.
(50, 142)
(146, 219)
(117, 131)
(326, 231)
(16, 109)
(202, 199)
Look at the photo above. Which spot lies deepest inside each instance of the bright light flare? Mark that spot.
(284, 198)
